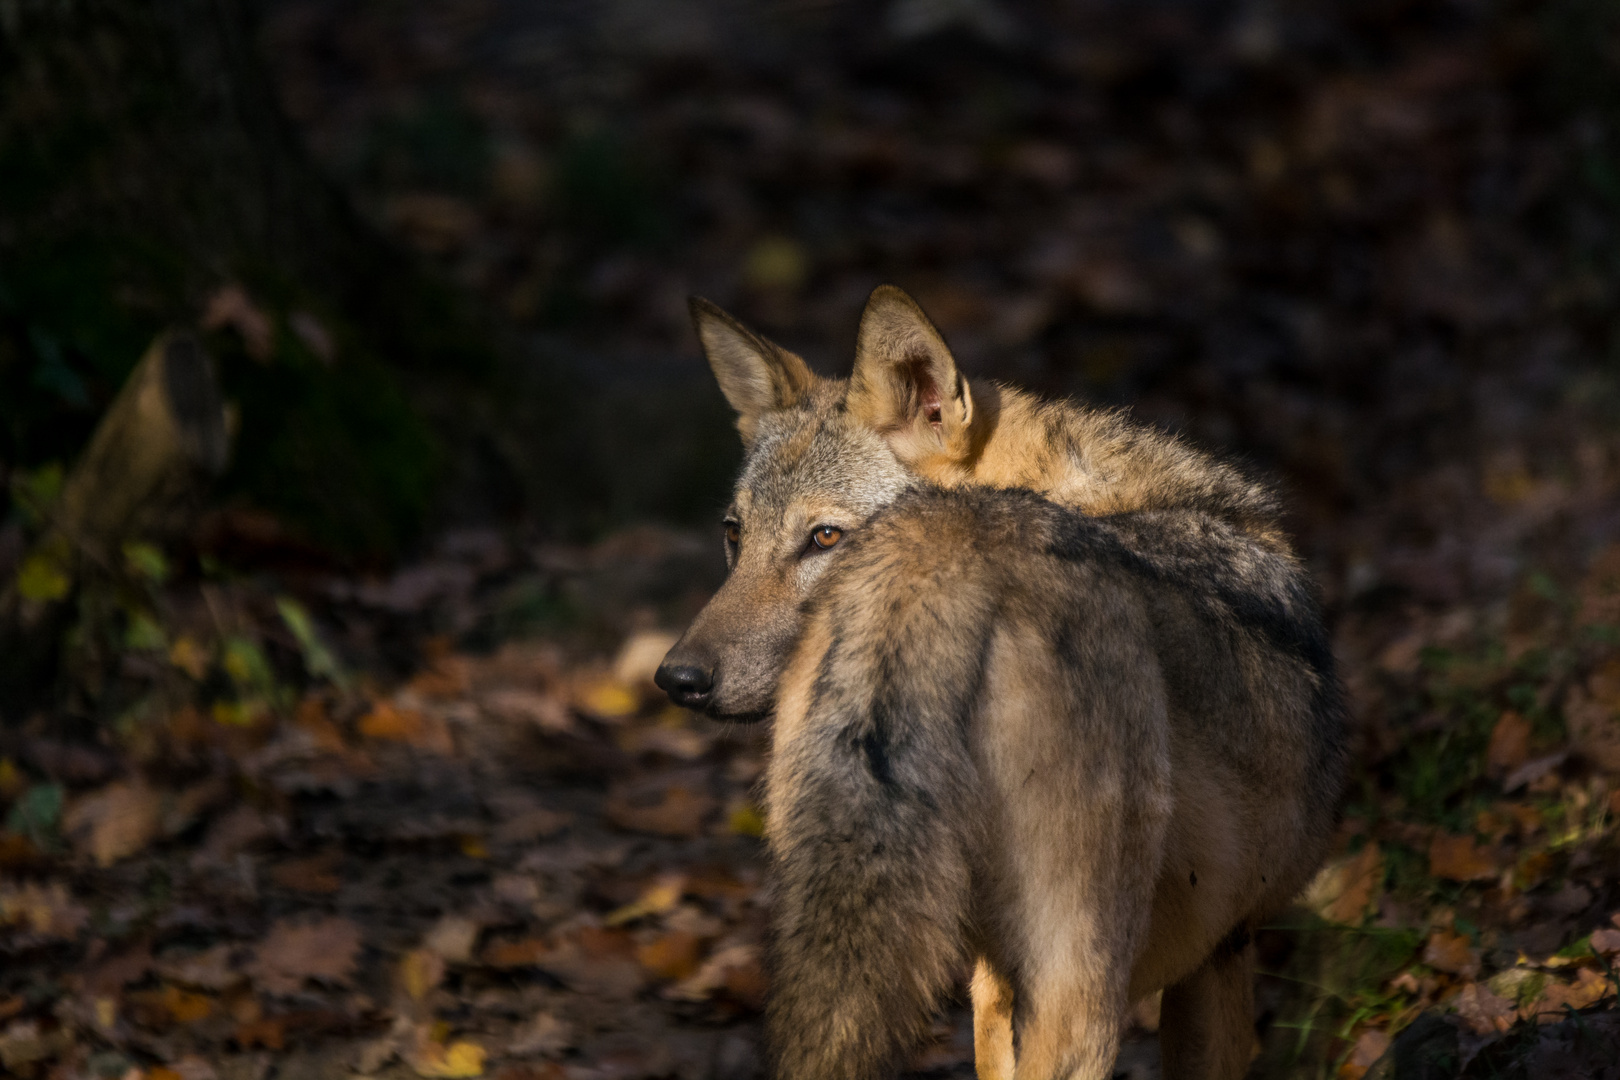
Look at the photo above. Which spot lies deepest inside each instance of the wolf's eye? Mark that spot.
(826, 536)
(733, 533)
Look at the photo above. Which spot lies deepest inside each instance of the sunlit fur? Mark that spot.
(1058, 703)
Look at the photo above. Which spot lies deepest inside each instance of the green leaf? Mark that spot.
(144, 634)
(37, 812)
(35, 490)
(247, 665)
(147, 561)
(319, 660)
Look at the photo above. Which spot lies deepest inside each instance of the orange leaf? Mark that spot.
(1510, 744)
(1449, 952)
(1370, 1046)
(672, 956)
(389, 722)
(678, 812)
(1457, 858)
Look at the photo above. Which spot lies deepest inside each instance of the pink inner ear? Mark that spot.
(927, 392)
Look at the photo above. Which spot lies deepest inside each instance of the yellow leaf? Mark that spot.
(189, 657)
(459, 1059)
(609, 700)
(746, 820)
(43, 577)
(662, 896)
(420, 971)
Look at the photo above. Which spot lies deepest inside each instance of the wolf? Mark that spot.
(1050, 694)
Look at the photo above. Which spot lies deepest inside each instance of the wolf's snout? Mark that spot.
(687, 685)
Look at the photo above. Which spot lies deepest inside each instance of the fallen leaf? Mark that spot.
(388, 722)
(530, 826)
(1451, 953)
(325, 950)
(1483, 1011)
(1369, 1047)
(660, 897)
(1458, 858)
(435, 1059)
(270, 1032)
(419, 972)
(733, 968)
(677, 812)
(1344, 890)
(640, 656)
(115, 822)
(1589, 988)
(210, 969)
(1606, 942)
(607, 699)
(671, 956)
(544, 1036)
(453, 938)
(1534, 770)
(312, 875)
(47, 910)
(545, 711)
(1509, 746)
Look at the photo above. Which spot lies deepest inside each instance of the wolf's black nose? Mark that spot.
(686, 684)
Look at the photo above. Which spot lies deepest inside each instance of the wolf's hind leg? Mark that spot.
(1206, 1028)
(992, 1023)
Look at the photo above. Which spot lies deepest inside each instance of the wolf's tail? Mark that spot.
(871, 827)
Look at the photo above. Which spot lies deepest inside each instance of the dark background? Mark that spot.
(440, 250)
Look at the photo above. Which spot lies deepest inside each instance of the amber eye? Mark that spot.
(733, 533)
(826, 536)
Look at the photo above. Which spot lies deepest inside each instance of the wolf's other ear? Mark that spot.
(755, 374)
(905, 381)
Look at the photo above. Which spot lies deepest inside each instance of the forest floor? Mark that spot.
(435, 821)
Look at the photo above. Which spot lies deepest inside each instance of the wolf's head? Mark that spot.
(822, 455)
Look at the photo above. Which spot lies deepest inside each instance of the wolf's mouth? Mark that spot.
(740, 718)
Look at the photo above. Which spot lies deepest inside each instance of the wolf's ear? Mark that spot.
(756, 375)
(905, 383)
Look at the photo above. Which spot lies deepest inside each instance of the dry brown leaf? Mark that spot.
(1589, 988)
(524, 952)
(325, 950)
(316, 874)
(530, 826)
(1370, 1046)
(1345, 890)
(453, 938)
(545, 1036)
(115, 822)
(388, 722)
(548, 712)
(1458, 858)
(1451, 953)
(1483, 1011)
(1510, 744)
(1606, 942)
(671, 956)
(210, 970)
(678, 812)
(732, 968)
(639, 658)
(47, 910)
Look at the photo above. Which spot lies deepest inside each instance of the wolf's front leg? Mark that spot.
(992, 1022)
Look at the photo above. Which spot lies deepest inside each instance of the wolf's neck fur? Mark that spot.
(1094, 460)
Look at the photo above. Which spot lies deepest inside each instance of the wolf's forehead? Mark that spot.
(828, 458)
